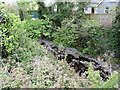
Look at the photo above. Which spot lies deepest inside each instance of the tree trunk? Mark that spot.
(21, 14)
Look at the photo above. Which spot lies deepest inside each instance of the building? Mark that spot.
(101, 7)
(102, 12)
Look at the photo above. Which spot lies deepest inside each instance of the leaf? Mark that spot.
(46, 34)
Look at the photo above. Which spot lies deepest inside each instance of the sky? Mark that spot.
(12, 1)
(8, 1)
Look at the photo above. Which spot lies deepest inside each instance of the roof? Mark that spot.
(97, 3)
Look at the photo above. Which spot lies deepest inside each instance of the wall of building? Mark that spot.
(104, 20)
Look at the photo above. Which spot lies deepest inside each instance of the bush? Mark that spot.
(17, 42)
(66, 35)
(89, 40)
(115, 35)
(7, 37)
(38, 28)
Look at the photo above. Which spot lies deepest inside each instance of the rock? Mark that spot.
(74, 62)
(73, 52)
(76, 59)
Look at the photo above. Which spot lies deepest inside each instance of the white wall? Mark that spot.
(88, 10)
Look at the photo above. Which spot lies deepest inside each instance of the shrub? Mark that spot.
(115, 35)
(38, 28)
(65, 35)
(17, 42)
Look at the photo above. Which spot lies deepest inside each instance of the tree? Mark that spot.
(64, 11)
(116, 26)
(25, 7)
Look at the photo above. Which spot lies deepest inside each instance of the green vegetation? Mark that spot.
(116, 34)
(24, 63)
(96, 80)
(34, 75)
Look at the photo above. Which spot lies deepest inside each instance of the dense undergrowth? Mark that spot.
(25, 63)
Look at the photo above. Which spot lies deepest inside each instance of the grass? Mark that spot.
(41, 72)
